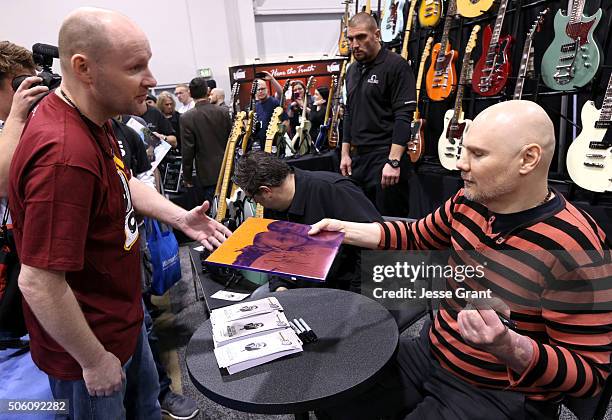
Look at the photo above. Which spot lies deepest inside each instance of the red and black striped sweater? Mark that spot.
(565, 294)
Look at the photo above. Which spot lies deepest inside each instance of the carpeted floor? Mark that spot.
(183, 315)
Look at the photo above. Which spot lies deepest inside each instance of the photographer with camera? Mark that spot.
(15, 61)
(74, 204)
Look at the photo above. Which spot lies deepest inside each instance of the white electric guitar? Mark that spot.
(449, 144)
(589, 158)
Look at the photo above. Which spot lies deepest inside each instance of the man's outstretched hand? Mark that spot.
(197, 225)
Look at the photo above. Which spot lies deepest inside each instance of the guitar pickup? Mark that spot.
(595, 156)
(603, 124)
(449, 155)
(598, 145)
(450, 148)
(594, 165)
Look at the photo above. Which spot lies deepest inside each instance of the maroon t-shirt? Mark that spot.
(72, 212)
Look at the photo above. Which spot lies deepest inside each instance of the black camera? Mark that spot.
(43, 56)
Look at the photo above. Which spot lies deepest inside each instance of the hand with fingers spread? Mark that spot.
(105, 377)
(25, 96)
(197, 225)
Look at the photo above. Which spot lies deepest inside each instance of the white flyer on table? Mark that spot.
(252, 326)
(231, 296)
(255, 351)
(244, 310)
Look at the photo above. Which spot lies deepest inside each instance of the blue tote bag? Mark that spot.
(164, 257)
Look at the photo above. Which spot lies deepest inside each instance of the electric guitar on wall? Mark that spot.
(228, 166)
(493, 68)
(343, 43)
(323, 130)
(235, 98)
(449, 144)
(527, 68)
(473, 8)
(416, 144)
(441, 78)
(302, 141)
(393, 23)
(408, 29)
(430, 13)
(282, 146)
(573, 58)
(334, 129)
(589, 158)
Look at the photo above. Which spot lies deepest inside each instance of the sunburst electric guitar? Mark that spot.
(449, 144)
(430, 13)
(441, 79)
(589, 158)
(416, 144)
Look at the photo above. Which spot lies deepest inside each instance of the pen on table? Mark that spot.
(305, 325)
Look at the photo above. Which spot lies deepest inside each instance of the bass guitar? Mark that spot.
(441, 79)
(416, 144)
(493, 68)
(430, 13)
(301, 142)
(526, 69)
(573, 58)
(393, 23)
(473, 8)
(589, 158)
(449, 144)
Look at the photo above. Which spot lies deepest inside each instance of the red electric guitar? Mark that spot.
(493, 67)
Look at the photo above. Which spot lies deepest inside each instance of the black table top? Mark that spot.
(357, 337)
(210, 287)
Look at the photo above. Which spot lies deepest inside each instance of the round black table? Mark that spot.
(357, 337)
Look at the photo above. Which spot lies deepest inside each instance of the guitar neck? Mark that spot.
(419, 80)
(606, 108)
(408, 29)
(577, 8)
(498, 27)
(328, 105)
(450, 14)
(461, 86)
(520, 80)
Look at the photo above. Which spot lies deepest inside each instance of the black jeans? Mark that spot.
(416, 387)
(367, 172)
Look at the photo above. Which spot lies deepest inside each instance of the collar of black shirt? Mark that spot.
(299, 197)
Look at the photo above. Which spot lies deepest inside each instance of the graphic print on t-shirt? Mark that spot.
(131, 226)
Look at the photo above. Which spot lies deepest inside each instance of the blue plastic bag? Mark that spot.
(164, 257)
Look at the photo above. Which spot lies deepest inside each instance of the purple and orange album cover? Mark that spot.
(280, 248)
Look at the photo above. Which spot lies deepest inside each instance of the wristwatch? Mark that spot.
(394, 163)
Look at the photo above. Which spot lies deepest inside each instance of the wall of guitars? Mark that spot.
(557, 53)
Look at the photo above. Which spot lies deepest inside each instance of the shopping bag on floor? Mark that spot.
(164, 257)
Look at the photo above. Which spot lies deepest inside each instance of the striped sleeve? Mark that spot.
(577, 310)
(431, 232)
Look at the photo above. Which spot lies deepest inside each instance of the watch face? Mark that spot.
(394, 163)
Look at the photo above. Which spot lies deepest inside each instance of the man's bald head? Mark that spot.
(93, 32)
(515, 125)
(364, 20)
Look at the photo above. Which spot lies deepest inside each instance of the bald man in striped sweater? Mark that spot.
(548, 261)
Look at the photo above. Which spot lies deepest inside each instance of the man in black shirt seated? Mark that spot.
(306, 197)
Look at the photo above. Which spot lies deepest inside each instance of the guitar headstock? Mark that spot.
(275, 120)
(309, 86)
(537, 24)
(235, 95)
(472, 41)
(252, 94)
(238, 126)
(334, 84)
(283, 97)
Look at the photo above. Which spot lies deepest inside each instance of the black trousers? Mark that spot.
(416, 387)
(367, 172)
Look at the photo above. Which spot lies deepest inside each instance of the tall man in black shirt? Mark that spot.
(380, 104)
(306, 197)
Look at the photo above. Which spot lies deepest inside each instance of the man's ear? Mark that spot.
(530, 158)
(81, 67)
(264, 189)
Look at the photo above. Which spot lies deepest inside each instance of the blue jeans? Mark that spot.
(136, 400)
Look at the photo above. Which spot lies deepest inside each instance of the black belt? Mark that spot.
(362, 150)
